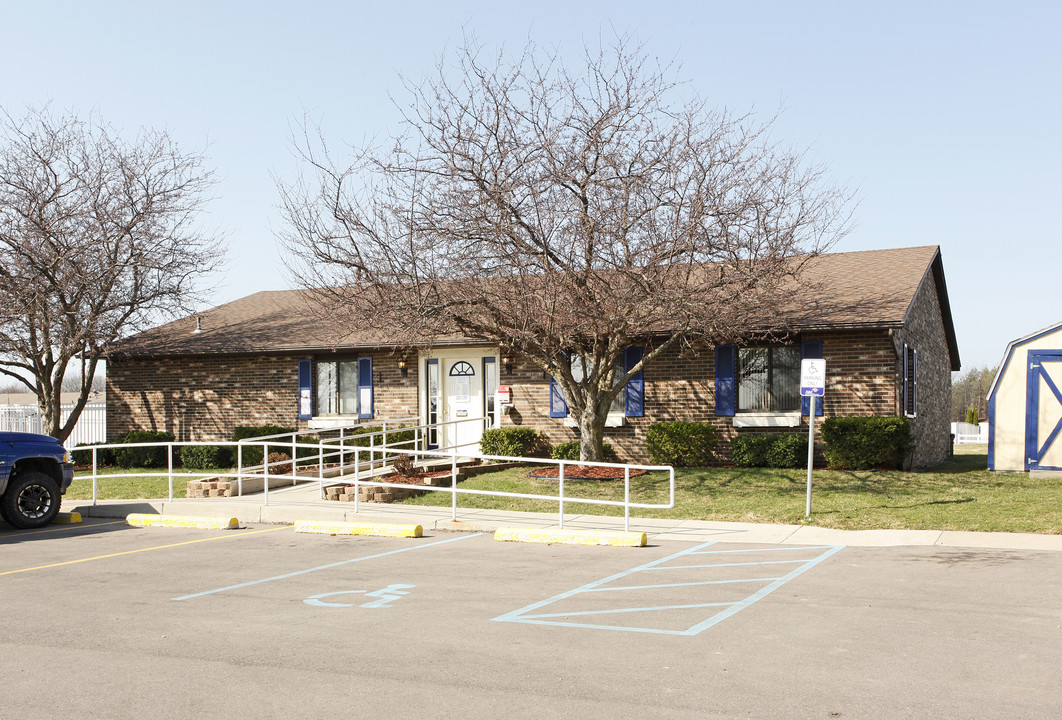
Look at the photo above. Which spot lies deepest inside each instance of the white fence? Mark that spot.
(91, 426)
(968, 433)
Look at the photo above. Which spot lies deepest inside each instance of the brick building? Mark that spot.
(880, 319)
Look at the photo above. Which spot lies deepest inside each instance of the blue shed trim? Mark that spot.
(991, 432)
(1014, 345)
(1034, 452)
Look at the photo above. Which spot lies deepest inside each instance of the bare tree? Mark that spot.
(561, 213)
(98, 239)
(970, 391)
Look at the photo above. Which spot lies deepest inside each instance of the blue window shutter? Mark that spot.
(914, 381)
(909, 393)
(365, 381)
(903, 381)
(635, 390)
(811, 350)
(305, 389)
(724, 380)
(557, 407)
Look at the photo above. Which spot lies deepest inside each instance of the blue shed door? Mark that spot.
(1043, 411)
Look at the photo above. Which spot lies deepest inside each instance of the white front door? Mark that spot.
(463, 404)
(454, 391)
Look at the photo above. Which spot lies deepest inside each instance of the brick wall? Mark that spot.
(681, 386)
(204, 398)
(924, 331)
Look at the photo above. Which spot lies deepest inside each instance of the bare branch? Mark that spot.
(560, 210)
(99, 238)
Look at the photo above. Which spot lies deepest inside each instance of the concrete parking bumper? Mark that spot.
(182, 521)
(358, 528)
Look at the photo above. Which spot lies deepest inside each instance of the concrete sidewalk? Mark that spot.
(291, 504)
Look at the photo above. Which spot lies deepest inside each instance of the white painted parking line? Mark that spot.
(408, 548)
(579, 603)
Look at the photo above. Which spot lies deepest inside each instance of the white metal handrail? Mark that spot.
(358, 466)
(626, 504)
(291, 438)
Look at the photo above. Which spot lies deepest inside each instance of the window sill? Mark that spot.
(755, 420)
(325, 422)
(613, 420)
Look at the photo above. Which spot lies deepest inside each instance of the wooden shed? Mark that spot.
(1025, 405)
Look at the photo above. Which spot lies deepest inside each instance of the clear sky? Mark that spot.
(944, 115)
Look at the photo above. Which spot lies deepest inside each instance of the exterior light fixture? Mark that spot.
(507, 361)
(402, 367)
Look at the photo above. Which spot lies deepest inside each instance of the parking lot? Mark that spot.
(109, 621)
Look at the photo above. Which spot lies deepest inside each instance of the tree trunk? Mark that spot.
(51, 412)
(591, 436)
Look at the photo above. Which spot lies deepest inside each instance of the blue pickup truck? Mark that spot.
(35, 471)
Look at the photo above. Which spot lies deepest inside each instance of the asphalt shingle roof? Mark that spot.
(836, 291)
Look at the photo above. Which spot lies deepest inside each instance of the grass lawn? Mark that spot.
(132, 484)
(960, 494)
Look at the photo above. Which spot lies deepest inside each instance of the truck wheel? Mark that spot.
(31, 501)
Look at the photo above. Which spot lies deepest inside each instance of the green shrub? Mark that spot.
(750, 450)
(788, 451)
(865, 443)
(142, 457)
(252, 431)
(971, 416)
(252, 454)
(681, 444)
(104, 456)
(514, 442)
(570, 451)
(363, 436)
(205, 457)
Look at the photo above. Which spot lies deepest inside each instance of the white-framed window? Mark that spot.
(629, 403)
(581, 368)
(336, 387)
(490, 389)
(768, 379)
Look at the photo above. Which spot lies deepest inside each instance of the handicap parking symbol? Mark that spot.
(383, 597)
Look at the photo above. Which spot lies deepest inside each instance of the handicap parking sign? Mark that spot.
(812, 377)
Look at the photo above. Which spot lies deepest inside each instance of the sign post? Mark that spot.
(812, 385)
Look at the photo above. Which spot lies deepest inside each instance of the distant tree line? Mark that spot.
(969, 391)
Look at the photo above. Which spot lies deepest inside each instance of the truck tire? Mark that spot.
(31, 500)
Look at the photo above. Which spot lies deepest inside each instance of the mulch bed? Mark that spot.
(415, 479)
(581, 472)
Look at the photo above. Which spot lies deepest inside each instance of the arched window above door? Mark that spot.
(462, 369)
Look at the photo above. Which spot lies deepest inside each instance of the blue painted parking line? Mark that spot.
(296, 573)
(657, 614)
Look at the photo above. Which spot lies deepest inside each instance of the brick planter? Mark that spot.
(211, 488)
(228, 487)
(373, 493)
